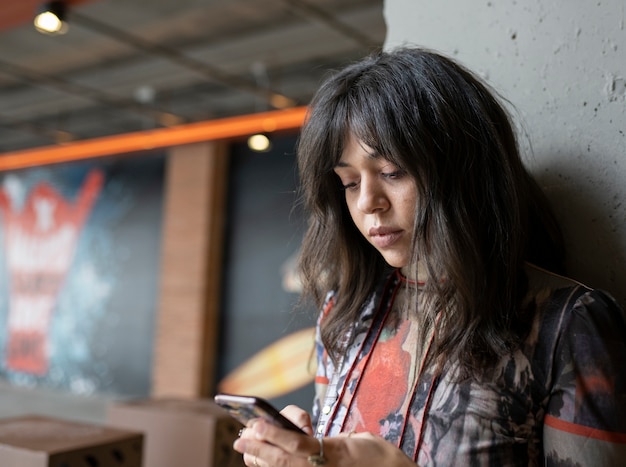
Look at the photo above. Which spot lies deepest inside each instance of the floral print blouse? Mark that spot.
(558, 400)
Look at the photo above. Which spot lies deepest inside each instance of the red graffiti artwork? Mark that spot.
(39, 242)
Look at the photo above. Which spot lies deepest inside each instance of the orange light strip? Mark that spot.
(225, 128)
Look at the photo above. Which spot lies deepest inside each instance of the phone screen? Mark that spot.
(246, 408)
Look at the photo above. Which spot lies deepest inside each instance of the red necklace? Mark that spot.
(406, 280)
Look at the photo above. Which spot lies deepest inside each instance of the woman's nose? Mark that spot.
(371, 197)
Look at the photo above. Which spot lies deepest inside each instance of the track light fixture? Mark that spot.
(50, 18)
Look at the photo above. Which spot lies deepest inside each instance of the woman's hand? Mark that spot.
(299, 417)
(265, 445)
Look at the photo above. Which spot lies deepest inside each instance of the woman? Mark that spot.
(443, 338)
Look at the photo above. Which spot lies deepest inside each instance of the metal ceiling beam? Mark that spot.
(275, 99)
(57, 136)
(163, 118)
(315, 13)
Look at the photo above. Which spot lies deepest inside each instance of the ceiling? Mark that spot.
(132, 65)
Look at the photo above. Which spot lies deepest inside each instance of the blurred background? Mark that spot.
(165, 271)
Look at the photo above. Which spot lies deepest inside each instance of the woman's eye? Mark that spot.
(348, 186)
(394, 175)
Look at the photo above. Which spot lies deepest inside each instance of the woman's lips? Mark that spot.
(384, 237)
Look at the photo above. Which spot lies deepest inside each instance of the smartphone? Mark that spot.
(245, 408)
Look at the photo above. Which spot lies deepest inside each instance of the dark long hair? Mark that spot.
(479, 214)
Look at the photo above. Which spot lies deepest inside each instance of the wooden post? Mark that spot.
(186, 326)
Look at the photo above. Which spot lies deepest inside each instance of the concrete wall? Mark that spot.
(562, 64)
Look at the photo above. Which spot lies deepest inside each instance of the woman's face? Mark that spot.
(381, 199)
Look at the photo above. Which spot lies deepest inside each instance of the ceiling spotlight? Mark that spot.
(50, 18)
(259, 143)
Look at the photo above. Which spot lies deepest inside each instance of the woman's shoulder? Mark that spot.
(545, 287)
(563, 304)
(578, 353)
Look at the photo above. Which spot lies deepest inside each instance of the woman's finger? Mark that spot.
(246, 433)
(299, 417)
(258, 453)
(253, 461)
(289, 441)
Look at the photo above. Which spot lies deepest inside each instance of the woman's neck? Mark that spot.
(412, 277)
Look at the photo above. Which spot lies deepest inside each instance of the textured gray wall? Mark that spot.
(562, 65)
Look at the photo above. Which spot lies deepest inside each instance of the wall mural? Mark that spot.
(78, 274)
(40, 237)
